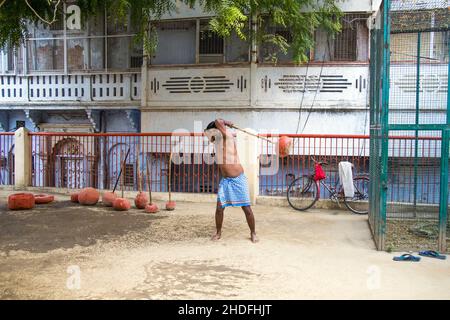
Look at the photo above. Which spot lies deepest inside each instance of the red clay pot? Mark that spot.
(108, 198)
(43, 198)
(151, 208)
(21, 201)
(74, 197)
(284, 146)
(88, 197)
(170, 205)
(121, 204)
(141, 200)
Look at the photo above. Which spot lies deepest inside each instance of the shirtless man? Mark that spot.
(233, 188)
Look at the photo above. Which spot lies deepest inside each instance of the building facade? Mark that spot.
(73, 76)
(90, 77)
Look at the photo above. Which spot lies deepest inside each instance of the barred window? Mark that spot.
(351, 44)
(211, 45)
(210, 42)
(345, 44)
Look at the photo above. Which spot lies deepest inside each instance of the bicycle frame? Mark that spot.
(334, 192)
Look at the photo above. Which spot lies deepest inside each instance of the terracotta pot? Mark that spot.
(170, 205)
(284, 146)
(88, 196)
(108, 198)
(43, 198)
(121, 204)
(74, 197)
(21, 201)
(141, 200)
(151, 208)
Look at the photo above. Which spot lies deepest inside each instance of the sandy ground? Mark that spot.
(64, 251)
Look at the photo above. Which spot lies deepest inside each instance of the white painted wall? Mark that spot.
(336, 87)
(319, 122)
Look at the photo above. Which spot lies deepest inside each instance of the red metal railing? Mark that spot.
(326, 148)
(6, 158)
(75, 160)
(403, 180)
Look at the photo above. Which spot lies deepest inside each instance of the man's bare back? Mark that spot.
(227, 155)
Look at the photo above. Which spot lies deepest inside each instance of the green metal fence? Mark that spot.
(410, 126)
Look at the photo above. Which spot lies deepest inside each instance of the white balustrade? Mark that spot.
(13, 89)
(81, 88)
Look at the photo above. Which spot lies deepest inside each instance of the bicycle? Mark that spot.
(304, 191)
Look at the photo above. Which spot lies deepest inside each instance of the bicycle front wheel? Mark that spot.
(359, 203)
(302, 193)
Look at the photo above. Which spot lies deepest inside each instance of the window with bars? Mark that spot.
(351, 44)
(345, 45)
(210, 42)
(101, 44)
(211, 45)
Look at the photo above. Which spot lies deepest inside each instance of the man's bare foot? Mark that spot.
(216, 237)
(254, 238)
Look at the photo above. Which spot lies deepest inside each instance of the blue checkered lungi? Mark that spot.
(233, 192)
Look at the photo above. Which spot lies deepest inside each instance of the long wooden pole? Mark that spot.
(121, 167)
(138, 170)
(149, 182)
(123, 175)
(170, 176)
(251, 133)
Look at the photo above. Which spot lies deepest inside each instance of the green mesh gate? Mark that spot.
(410, 126)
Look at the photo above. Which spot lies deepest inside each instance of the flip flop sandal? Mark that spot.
(407, 257)
(432, 254)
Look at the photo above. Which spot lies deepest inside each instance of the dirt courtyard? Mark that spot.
(64, 251)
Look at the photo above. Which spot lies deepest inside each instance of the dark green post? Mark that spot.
(416, 142)
(443, 203)
(385, 123)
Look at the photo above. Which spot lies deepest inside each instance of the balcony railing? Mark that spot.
(70, 88)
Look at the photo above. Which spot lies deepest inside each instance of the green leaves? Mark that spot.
(300, 17)
(229, 19)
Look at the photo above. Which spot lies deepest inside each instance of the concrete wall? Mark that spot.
(319, 122)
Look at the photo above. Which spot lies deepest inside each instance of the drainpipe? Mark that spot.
(253, 60)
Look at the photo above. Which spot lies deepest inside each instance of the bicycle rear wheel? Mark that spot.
(302, 193)
(359, 203)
